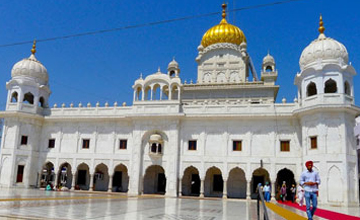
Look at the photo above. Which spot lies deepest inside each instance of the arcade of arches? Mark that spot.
(214, 184)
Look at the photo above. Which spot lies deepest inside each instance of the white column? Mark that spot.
(142, 94)
(110, 183)
(248, 190)
(73, 181)
(91, 182)
(180, 186)
(225, 189)
(272, 190)
(202, 188)
(56, 179)
(160, 93)
(170, 93)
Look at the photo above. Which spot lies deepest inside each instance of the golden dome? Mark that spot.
(223, 33)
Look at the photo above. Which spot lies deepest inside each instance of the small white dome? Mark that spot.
(155, 138)
(174, 64)
(268, 59)
(324, 49)
(32, 68)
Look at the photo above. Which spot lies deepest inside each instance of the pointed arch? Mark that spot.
(347, 88)
(154, 180)
(14, 97)
(311, 89)
(260, 175)
(41, 102)
(214, 183)
(330, 86)
(236, 183)
(65, 176)
(190, 184)
(335, 184)
(29, 98)
(82, 177)
(286, 176)
(120, 179)
(101, 178)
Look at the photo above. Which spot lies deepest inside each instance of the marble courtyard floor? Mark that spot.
(40, 204)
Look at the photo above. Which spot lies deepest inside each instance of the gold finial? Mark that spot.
(224, 10)
(321, 23)
(33, 50)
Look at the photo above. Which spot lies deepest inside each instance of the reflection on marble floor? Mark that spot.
(38, 204)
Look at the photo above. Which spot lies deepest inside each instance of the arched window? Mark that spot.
(175, 93)
(138, 94)
(330, 86)
(311, 89)
(156, 92)
(28, 98)
(172, 73)
(347, 90)
(165, 93)
(148, 93)
(269, 69)
(41, 102)
(155, 144)
(14, 97)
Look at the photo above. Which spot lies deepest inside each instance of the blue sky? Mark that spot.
(103, 67)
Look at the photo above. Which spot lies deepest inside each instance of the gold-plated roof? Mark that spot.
(223, 33)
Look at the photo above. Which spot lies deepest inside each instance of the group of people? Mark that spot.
(293, 190)
(50, 187)
(307, 189)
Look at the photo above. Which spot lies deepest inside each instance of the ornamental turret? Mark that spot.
(28, 89)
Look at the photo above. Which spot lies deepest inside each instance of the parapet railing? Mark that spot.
(261, 208)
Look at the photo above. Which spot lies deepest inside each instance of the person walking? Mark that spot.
(293, 193)
(267, 190)
(283, 192)
(300, 195)
(310, 180)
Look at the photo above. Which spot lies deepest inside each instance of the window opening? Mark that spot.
(330, 86)
(284, 145)
(237, 145)
(51, 143)
(24, 140)
(123, 144)
(86, 144)
(192, 145)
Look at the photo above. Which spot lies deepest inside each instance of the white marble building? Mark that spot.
(218, 136)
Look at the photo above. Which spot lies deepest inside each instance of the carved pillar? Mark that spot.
(56, 179)
(202, 188)
(248, 190)
(225, 189)
(73, 181)
(91, 182)
(273, 190)
(180, 186)
(38, 184)
(110, 183)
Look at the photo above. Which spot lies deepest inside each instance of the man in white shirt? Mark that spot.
(310, 180)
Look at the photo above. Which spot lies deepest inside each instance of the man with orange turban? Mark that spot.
(310, 180)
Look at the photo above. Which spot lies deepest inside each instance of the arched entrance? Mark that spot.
(83, 177)
(214, 183)
(65, 176)
(287, 176)
(154, 180)
(101, 178)
(47, 175)
(236, 184)
(120, 179)
(259, 175)
(191, 182)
